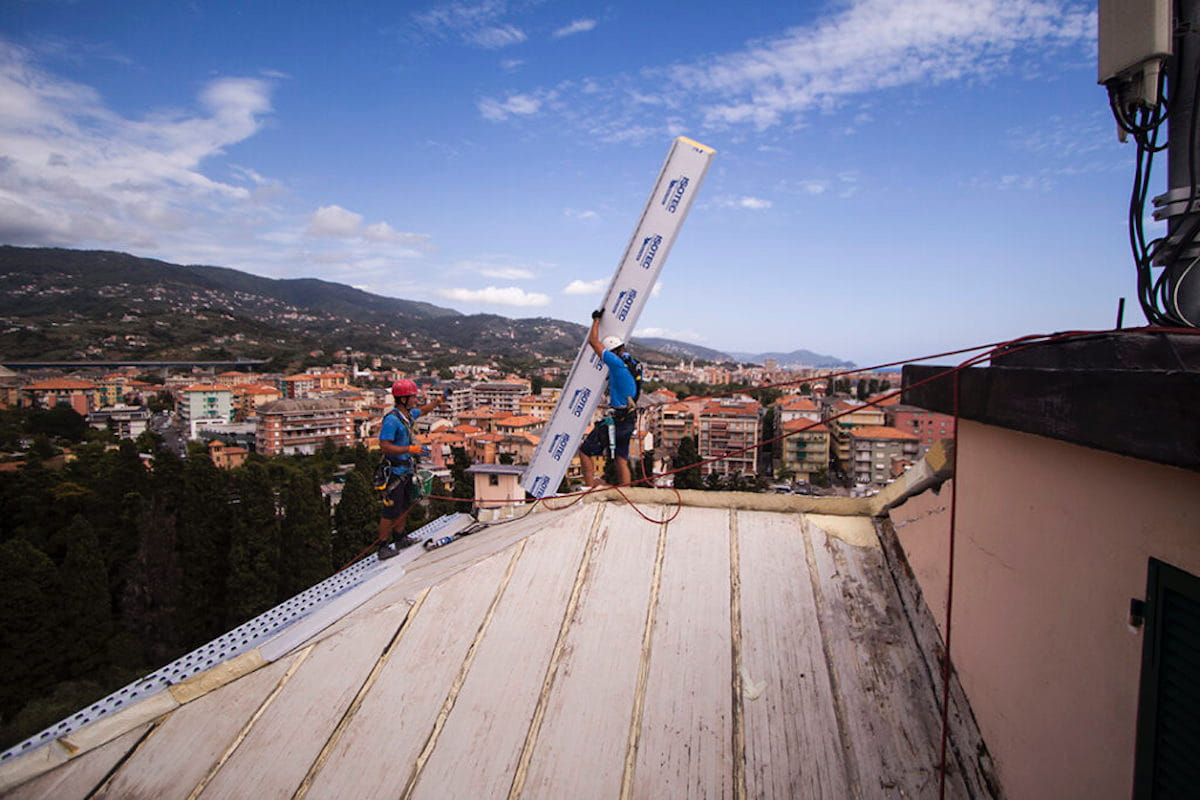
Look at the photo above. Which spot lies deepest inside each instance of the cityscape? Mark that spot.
(773, 437)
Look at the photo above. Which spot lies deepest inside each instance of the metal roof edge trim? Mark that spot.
(346, 590)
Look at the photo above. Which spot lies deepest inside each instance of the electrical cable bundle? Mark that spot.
(1157, 296)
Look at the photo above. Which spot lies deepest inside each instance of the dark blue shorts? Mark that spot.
(398, 496)
(596, 443)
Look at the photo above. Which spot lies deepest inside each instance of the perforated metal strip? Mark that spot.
(241, 639)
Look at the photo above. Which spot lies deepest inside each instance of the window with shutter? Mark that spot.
(1168, 723)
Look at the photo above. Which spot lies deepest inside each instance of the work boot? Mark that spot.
(409, 540)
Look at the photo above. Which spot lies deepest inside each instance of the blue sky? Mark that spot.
(893, 177)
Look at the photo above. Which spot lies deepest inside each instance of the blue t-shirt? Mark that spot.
(395, 431)
(621, 385)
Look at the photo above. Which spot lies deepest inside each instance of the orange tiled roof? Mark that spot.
(804, 425)
(717, 409)
(60, 385)
(881, 432)
(257, 388)
(205, 387)
(518, 422)
(466, 429)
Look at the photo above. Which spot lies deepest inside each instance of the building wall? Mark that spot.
(1052, 541)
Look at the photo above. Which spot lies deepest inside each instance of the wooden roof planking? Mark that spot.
(732, 652)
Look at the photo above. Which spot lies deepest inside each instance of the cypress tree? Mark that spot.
(305, 553)
(29, 654)
(204, 530)
(356, 518)
(254, 547)
(87, 620)
(150, 596)
(685, 456)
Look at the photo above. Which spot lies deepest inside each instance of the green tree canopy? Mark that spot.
(305, 550)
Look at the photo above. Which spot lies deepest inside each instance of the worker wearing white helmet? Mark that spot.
(624, 385)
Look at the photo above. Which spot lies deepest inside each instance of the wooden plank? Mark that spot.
(792, 743)
(375, 755)
(965, 740)
(477, 752)
(685, 744)
(435, 566)
(298, 722)
(890, 716)
(80, 776)
(193, 737)
(581, 748)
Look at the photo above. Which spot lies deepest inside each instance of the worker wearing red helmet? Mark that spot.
(400, 451)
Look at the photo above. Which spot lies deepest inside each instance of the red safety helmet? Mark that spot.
(404, 388)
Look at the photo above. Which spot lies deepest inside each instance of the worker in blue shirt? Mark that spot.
(623, 389)
(399, 450)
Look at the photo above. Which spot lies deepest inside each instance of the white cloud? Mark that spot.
(859, 47)
(585, 287)
(679, 334)
(745, 201)
(573, 214)
(478, 24)
(74, 172)
(879, 44)
(334, 221)
(507, 273)
(494, 38)
(514, 105)
(511, 64)
(496, 296)
(578, 26)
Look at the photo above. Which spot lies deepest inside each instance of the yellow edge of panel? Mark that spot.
(694, 143)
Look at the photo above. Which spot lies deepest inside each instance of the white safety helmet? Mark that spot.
(612, 342)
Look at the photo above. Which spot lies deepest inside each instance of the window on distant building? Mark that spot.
(493, 480)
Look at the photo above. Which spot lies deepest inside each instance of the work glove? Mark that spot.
(598, 313)
(425, 453)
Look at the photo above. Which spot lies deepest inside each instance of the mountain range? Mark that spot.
(79, 304)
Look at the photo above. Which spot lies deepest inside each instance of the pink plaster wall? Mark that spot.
(1052, 542)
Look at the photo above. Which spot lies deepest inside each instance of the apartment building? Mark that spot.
(928, 426)
(76, 394)
(248, 398)
(730, 429)
(300, 386)
(302, 426)
(792, 408)
(856, 414)
(538, 405)
(519, 424)
(804, 450)
(501, 395)
(127, 422)
(874, 449)
(204, 404)
(669, 424)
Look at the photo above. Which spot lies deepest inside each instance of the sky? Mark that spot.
(893, 178)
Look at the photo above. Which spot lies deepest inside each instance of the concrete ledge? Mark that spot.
(748, 501)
